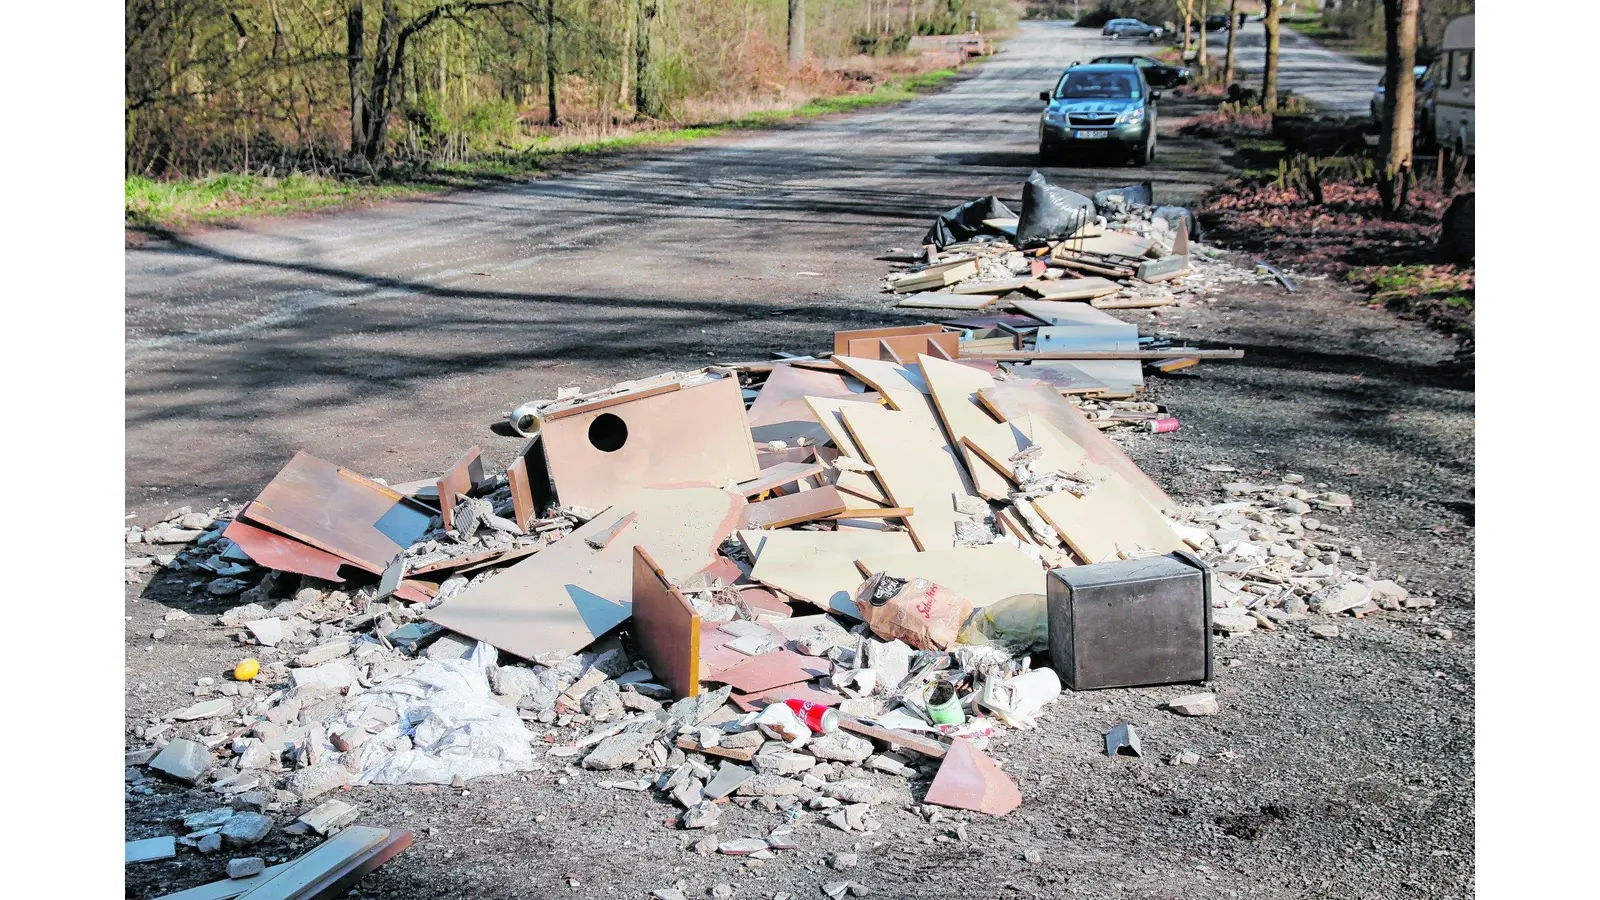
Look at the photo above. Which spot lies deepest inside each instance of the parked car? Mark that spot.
(1377, 93)
(1130, 28)
(1105, 106)
(1213, 23)
(1160, 75)
(1453, 109)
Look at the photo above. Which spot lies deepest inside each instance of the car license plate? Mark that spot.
(1093, 135)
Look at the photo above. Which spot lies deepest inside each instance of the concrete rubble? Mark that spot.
(357, 686)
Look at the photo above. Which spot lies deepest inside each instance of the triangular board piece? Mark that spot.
(1018, 397)
(1109, 522)
(885, 377)
(568, 594)
(1180, 242)
(916, 470)
(819, 566)
(779, 412)
(969, 779)
(861, 484)
(955, 395)
(979, 575)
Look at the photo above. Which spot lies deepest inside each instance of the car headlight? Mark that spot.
(1055, 116)
(1131, 116)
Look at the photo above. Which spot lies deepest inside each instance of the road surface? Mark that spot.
(388, 339)
(1328, 79)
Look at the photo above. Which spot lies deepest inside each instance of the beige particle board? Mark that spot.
(954, 388)
(1058, 289)
(980, 575)
(779, 412)
(861, 484)
(915, 470)
(1110, 521)
(1018, 397)
(819, 566)
(1003, 286)
(568, 594)
(971, 301)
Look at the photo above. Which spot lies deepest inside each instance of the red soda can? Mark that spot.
(820, 719)
(1161, 425)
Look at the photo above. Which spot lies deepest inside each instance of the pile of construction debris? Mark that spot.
(768, 583)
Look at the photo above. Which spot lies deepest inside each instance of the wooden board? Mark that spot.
(698, 434)
(339, 511)
(792, 509)
(906, 347)
(665, 627)
(779, 475)
(982, 322)
(819, 566)
(779, 412)
(328, 855)
(1071, 288)
(842, 339)
(935, 276)
(568, 594)
(1056, 312)
(771, 670)
(980, 575)
(461, 478)
(1109, 522)
(1005, 286)
(1117, 374)
(1119, 243)
(521, 492)
(1017, 398)
(971, 301)
(274, 551)
(954, 388)
(915, 470)
(900, 740)
(860, 484)
(1065, 377)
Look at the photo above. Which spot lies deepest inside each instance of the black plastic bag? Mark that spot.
(1129, 195)
(1176, 214)
(965, 222)
(1050, 212)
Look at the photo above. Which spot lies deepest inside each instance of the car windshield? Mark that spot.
(1098, 86)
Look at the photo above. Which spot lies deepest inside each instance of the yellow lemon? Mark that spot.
(246, 670)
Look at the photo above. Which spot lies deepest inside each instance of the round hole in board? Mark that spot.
(608, 433)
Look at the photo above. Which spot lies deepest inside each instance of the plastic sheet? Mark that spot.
(456, 727)
(965, 222)
(1139, 194)
(1050, 212)
(1019, 624)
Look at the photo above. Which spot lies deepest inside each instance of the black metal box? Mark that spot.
(1131, 622)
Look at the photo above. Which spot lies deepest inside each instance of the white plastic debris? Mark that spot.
(1016, 701)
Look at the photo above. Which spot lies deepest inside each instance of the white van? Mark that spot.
(1452, 88)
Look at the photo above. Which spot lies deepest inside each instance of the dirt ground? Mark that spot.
(1339, 768)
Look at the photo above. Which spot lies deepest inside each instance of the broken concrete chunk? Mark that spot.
(1324, 630)
(331, 677)
(245, 828)
(617, 751)
(1194, 705)
(329, 816)
(840, 746)
(782, 763)
(702, 815)
(183, 760)
(206, 709)
(311, 783)
(743, 847)
(728, 777)
(267, 632)
(1232, 621)
(768, 786)
(322, 653)
(1335, 599)
(246, 866)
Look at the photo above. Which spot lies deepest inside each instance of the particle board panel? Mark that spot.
(271, 550)
(1004, 286)
(980, 575)
(330, 854)
(819, 566)
(842, 339)
(970, 301)
(698, 434)
(228, 888)
(1125, 374)
(792, 509)
(666, 627)
(460, 478)
(1017, 398)
(1065, 377)
(779, 412)
(1056, 312)
(779, 475)
(568, 594)
(339, 511)
(861, 484)
(1110, 521)
(954, 388)
(915, 471)
(1014, 320)
(906, 347)
(1061, 289)
(521, 492)
(1119, 243)
(772, 670)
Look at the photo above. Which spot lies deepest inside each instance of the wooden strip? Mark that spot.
(603, 538)
(901, 740)
(792, 509)
(738, 754)
(780, 475)
(337, 882)
(954, 388)
(328, 855)
(1173, 365)
(915, 470)
(460, 478)
(990, 287)
(875, 512)
(521, 492)
(971, 302)
(608, 402)
(228, 888)
(1134, 302)
(666, 627)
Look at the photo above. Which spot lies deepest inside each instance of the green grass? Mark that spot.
(155, 203)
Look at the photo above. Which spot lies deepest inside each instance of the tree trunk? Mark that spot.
(1233, 29)
(644, 101)
(1201, 58)
(378, 93)
(797, 33)
(354, 39)
(550, 59)
(1269, 72)
(1399, 102)
(1187, 10)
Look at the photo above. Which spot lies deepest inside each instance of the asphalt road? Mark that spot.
(1331, 81)
(388, 339)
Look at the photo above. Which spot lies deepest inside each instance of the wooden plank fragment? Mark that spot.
(1065, 377)
(1175, 364)
(915, 471)
(792, 509)
(971, 302)
(900, 740)
(271, 550)
(330, 854)
(460, 478)
(1058, 289)
(339, 511)
(779, 412)
(899, 350)
(228, 888)
(875, 512)
(521, 492)
(1055, 312)
(954, 388)
(608, 402)
(1110, 522)
(666, 627)
(842, 339)
(988, 287)
(602, 539)
(737, 754)
(770, 670)
(779, 475)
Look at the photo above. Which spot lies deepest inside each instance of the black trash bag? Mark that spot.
(965, 222)
(1128, 195)
(1176, 214)
(1050, 212)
